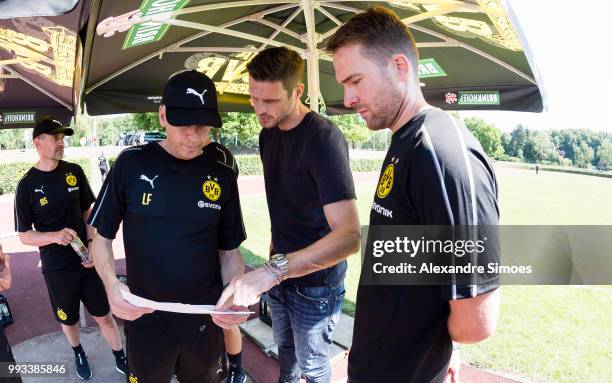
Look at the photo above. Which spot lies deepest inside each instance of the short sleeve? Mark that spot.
(23, 208)
(231, 232)
(109, 209)
(86, 195)
(454, 186)
(328, 164)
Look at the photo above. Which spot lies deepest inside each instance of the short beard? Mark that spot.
(385, 108)
(285, 116)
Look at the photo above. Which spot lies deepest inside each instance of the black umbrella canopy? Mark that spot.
(471, 52)
(40, 58)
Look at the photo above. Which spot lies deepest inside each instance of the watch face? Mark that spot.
(277, 257)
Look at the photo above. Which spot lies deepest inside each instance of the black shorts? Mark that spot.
(162, 344)
(67, 288)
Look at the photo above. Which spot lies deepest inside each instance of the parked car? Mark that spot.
(125, 140)
(140, 138)
(153, 137)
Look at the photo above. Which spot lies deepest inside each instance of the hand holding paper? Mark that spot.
(120, 306)
(221, 319)
(246, 289)
(181, 307)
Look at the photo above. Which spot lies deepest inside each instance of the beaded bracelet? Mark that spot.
(271, 271)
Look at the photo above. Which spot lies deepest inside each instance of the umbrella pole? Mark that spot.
(313, 80)
(312, 55)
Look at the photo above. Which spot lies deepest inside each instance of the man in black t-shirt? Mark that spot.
(311, 202)
(182, 227)
(54, 197)
(435, 173)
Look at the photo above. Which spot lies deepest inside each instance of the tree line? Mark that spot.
(241, 130)
(576, 147)
(582, 148)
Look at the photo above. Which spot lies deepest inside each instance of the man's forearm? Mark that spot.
(232, 264)
(342, 241)
(103, 259)
(36, 238)
(326, 252)
(474, 319)
(329, 250)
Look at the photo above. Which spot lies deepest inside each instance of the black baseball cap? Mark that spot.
(49, 125)
(190, 98)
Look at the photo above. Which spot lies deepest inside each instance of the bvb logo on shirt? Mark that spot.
(386, 182)
(61, 314)
(43, 201)
(211, 190)
(71, 179)
(133, 379)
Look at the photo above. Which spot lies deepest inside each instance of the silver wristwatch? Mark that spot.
(280, 263)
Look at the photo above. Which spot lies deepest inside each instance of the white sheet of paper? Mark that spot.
(176, 307)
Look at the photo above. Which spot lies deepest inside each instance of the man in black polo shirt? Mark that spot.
(311, 201)
(54, 197)
(435, 173)
(182, 226)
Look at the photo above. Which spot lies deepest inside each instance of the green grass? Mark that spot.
(550, 334)
(545, 333)
(553, 198)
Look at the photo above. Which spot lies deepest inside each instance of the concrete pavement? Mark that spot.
(53, 348)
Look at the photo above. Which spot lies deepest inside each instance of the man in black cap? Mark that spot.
(182, 226)
(54, 197)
